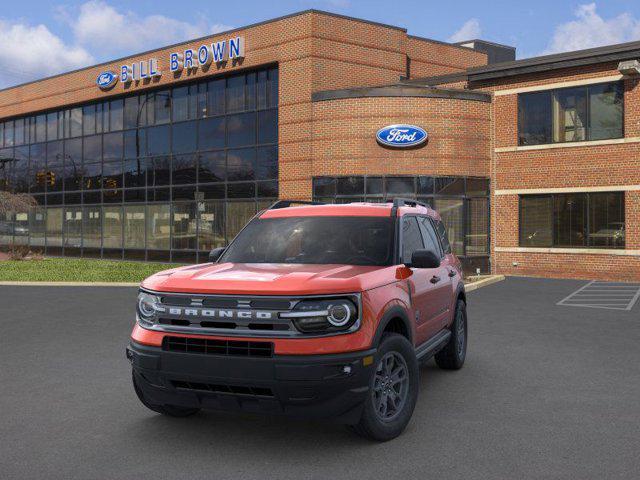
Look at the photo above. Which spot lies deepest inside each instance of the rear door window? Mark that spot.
(411, 238)
(430, 238)
(442, 235)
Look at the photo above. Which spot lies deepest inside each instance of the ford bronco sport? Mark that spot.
(312, 310)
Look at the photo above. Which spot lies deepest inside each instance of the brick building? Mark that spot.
(166, 154)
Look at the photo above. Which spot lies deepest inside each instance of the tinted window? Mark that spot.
(315, 240)
(444, 238)
(241, 129)
(211, 133)
(591, 112)
(570, 115)
(534, 118)
(241, 164)
(184, 137)
(606, 111)
(158, 140)
(411, 238)
(429, 235)
(267, 163)
(211, 167)
(595, 220)
(268, 126)
(536, 221)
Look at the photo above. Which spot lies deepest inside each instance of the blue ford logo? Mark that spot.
(401, 136)
(106, 80)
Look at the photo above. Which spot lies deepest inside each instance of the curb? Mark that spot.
(484, 282)
(70, 284)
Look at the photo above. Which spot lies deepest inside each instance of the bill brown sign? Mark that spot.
(189, 59)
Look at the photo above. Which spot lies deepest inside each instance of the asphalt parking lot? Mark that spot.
(547, 392)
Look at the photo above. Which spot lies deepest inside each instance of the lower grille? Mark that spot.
(228, 389)
(217, 347)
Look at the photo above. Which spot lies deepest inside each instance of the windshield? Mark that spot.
(318, 240)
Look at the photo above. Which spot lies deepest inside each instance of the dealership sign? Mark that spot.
(401, 136)
(189, 59)
(106, 80)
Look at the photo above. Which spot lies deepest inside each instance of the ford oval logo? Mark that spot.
(106, 80)
(401, 136)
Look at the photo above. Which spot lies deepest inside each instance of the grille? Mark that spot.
(208, 346)
(228, 389)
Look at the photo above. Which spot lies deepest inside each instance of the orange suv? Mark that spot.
(312, 310)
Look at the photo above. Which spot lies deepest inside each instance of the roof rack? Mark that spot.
(406, 202)
(288, 203)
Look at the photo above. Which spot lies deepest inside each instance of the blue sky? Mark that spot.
(43, 37)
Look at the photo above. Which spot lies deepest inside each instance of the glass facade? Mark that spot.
(463, 202)
(161, 175)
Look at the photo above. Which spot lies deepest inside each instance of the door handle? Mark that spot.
(434, 279)
(452, 273)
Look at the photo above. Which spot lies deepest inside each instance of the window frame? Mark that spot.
(430, 221)
(552, 92)
(587, 223)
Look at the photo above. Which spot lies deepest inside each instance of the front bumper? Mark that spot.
(316, 386)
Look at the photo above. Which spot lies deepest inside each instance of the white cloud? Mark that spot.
(29, 52)
(591, 30)
(469, 31)
(97, 31)
(107, 31)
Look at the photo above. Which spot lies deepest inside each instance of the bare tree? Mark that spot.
(16, 202)
(11, 203)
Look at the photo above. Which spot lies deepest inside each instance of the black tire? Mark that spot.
(453, 355)
(169, 410)
(372, 424)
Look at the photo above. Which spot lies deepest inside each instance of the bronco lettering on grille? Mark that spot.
(219, 313)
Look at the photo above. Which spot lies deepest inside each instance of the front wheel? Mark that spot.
(393, 390)
(453, 355)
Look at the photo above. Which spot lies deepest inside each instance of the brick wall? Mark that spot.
(344, 140)
(429, 58)
(564, 167)
(315, 51)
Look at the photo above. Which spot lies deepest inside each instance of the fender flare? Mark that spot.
(393, 312)
(460, 292)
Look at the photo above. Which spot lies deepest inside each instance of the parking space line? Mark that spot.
(596, 294)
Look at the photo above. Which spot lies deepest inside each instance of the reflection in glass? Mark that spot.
(37, 226)
(112, 233)
(92, 227)
(73, 227)
(134, 225)
(158, 226)
(241, 129)
(54, 227)
(238, 214)
(477, 235)
(241, 164)
(452, 213)
(210, 225)
(184, 226)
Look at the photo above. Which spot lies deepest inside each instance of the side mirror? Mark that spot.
(424, 259)
(215, 254)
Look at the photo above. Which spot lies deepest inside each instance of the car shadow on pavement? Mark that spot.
(230, 430)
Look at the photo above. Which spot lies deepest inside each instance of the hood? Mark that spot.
(270, 279)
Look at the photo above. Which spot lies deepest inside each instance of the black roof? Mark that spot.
(590, 56)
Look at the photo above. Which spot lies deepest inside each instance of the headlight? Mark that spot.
(324, 315)
(148, 307)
